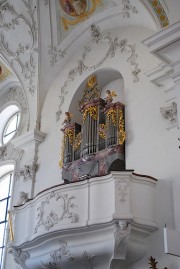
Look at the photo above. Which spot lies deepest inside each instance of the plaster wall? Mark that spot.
(150, 148)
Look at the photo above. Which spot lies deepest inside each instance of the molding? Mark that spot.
(163, 38)
(20, 257)
(34, 135)
(159, 75)
(97, 39)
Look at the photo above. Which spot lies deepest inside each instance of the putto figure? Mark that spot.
(68, 117)
(109, 96)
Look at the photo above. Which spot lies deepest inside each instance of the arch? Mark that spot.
(105, 76)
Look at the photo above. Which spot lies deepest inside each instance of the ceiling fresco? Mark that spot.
(4, 72)
(70, 13)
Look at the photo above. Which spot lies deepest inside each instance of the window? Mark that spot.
(9, 123)
(5, 195)
(11, 128)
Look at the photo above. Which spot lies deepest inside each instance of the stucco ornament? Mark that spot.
(128, 9)
(121, 235)
(170, 113)
(61, 254)
(26, 173)
(20, 256)
(22, 55)
(88, 260)
(9, 152)
(122, 187)
(23, 198)
(55, 53)
(49, 217)
(113, 45)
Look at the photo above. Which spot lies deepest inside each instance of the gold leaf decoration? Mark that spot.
(122, 134)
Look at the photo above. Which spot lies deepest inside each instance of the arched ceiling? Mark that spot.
(37, 35)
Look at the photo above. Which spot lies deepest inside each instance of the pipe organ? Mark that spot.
(97, 145)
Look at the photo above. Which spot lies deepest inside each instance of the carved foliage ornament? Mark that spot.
(65, 211)
(63, 254)
(92, 111)
(114, 45)
(23, 55)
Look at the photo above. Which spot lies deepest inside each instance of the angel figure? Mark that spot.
(68, 117)
(109, 96)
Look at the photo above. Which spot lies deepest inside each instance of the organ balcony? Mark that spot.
(102, 220)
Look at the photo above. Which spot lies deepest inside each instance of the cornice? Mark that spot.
(34, 135)
(163, 38)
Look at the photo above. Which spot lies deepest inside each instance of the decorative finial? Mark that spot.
(91, 81)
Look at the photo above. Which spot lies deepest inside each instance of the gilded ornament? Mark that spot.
(62, 152)
(102, 130)
(91, 81)
(70, 134)
(160, 12)
(112, 113)
(77, 141)
(122, 134)
(92, 110)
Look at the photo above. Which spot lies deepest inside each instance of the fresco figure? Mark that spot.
(73, 7)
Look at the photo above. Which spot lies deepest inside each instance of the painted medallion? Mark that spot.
(73, 8)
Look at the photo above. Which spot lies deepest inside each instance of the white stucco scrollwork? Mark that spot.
(113, 45)
(54, 53)
(51, 218)
(121, 235)
(20, 256)
(21, 55)
(9, 152)
(26, 173)
(88, 260)
(170, 113)
(23, 198)
(59, 255)
(122, 187)
(128, 9)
